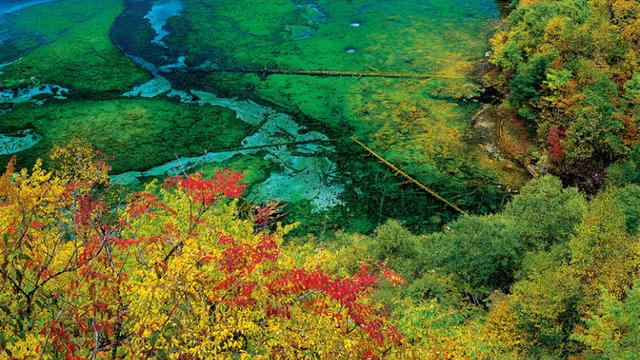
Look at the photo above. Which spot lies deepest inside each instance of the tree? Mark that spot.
(560, 290)
(482, 252)
(169, 272)
(613, 331)
(554, 140)
(629, 198)
(570, 69)
(603, 255)
(545, 212)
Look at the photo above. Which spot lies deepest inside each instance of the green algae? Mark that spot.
(71, 47)
(420, 125)
(298, 157)
(133, 134)
(399, 35)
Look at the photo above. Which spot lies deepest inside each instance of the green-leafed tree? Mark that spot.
(546, 213)
(613, 331)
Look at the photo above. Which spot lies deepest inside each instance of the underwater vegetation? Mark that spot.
(71, 48)
(320, 179)
(132, 133)
(410, 122)
(166, 50)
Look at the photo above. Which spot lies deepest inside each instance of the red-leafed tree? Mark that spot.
(554, 140)
(171, 272)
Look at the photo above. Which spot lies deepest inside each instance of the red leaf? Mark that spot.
(554, 140)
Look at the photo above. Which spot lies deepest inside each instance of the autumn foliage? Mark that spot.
(570, 69)
(554, 140)
(169, 272)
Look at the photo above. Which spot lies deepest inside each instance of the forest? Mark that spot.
(132, 227)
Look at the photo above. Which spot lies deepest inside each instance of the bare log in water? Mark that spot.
(264, 73)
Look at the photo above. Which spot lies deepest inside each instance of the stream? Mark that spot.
(307, 172)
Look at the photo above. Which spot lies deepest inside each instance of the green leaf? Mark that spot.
(154, 337)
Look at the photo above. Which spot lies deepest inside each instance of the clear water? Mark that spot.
(8, 6)
(21, 141)
(24, 94)
(306, 173)
(158, 16)
(417, 124)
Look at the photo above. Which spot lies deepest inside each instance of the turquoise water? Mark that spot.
(8, 6)
(305, 170)
(15, 143)
(158, 16)
(24, 94)
(303, 124)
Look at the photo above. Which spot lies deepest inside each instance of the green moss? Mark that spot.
(135, 134)
(77, 51)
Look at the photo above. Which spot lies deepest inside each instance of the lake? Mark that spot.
(311, 78)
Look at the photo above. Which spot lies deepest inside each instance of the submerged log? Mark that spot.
(265, 72)
(398, 171)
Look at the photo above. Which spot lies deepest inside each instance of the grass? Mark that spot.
(76, 50)
(135, 134)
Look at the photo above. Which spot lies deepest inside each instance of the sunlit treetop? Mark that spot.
(171, 272)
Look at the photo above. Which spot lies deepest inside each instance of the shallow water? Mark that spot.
(33, 93)
(8, 6)
(412, 123)
(418, 125)
(158, 16)
(308, 174)
(22, 140)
